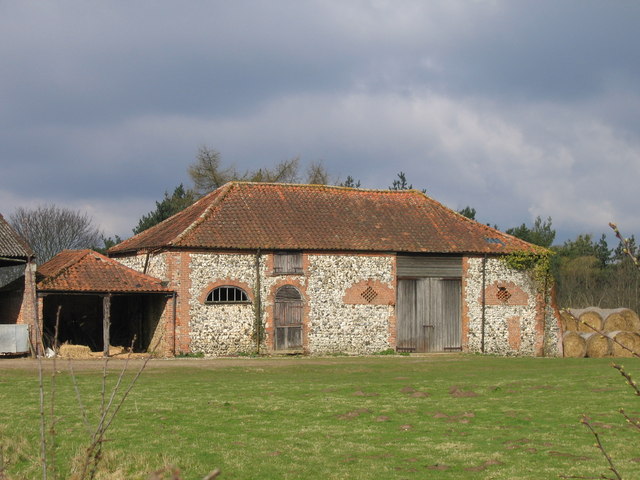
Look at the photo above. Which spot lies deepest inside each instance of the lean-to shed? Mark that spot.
(98, 302)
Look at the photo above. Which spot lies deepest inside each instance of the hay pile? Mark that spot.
(614, 326)
(74, 351)
(78, 352)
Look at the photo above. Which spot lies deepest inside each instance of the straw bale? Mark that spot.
(598, 346)
(630, 340)
(568, 321)
(589, 317)
(574, 345)
(623, 319)
(74, 351)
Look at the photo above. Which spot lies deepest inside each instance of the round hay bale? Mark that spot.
(74, 351)
(621, 319)
(631, 340)
(568, 321)
(574, 345)
(598, 346)
(590, 319)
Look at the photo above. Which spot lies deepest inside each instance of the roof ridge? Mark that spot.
(325, 186)
(221, 193)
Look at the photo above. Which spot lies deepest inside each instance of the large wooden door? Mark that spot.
(428, 315)
(288, 319)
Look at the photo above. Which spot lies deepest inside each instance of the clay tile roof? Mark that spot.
(89, 271)
(11, 244)
(243, 215)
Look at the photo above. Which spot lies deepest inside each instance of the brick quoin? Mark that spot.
(393, 318)
(178, 272)
(465, 307)
(539, 324)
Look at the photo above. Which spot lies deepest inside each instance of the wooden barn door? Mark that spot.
(429, 317)
(288, 319)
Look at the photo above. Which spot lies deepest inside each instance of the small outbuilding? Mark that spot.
(92, 300)
(17, 292)
(318, 269)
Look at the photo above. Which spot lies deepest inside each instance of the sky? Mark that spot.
(518, 108)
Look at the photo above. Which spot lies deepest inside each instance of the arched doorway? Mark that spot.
(288, 319)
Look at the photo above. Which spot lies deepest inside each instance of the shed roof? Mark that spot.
(244, 215)
(12, 245)
(89, 271)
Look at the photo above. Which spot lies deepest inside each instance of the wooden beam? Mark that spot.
(106, 322)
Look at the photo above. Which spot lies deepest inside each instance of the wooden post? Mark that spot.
(106, 322)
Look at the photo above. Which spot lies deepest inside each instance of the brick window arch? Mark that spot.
(227, 294)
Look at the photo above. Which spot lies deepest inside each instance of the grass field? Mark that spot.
(391, 417)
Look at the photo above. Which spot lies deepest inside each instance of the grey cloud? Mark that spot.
(490, 103)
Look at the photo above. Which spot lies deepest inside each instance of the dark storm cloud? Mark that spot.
(514, 107)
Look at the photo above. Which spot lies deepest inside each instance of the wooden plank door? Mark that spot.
(406, 335)
(428, 313)
(288, 319)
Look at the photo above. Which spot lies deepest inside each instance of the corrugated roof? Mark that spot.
(243, 215)
(89, 271)
(11, 244)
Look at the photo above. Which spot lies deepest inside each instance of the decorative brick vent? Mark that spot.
(503, 294)
(369, 294)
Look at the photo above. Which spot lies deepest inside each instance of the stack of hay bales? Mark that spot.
(580, 338)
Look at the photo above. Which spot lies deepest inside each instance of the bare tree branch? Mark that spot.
(49, 229)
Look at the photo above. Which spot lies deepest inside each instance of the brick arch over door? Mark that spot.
(288, 319)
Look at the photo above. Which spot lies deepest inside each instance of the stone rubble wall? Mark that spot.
(331, 325)
(346, 328)
(516, 325)
(156, 266)
(221, 329)
(515, 322)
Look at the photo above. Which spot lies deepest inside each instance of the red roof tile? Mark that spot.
(89, 271)
(242, 215)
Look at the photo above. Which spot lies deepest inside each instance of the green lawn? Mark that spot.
(391, 417)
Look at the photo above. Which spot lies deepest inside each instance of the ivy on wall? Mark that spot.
(538, 263)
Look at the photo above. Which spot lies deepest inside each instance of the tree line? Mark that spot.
(587, 271)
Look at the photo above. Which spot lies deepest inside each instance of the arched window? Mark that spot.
(227, 294)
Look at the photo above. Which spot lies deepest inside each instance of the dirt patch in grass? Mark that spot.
(438, 466)
(353, 414)
(458, 392)
(360, 393)
(459, 418)
(571, 456)
(420, 395)
(483, 466)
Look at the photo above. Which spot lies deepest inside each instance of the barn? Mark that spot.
(284, 268)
